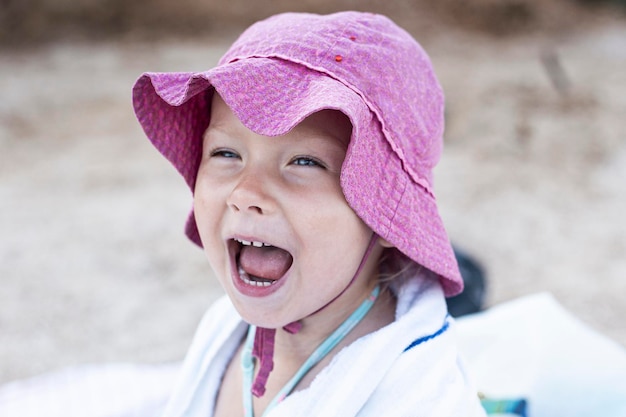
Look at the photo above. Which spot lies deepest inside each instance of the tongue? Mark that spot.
(267, 262)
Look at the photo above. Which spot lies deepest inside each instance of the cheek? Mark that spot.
(202, 211)
(207, 198)
(333, 230)
(209, 230)
(206, 207)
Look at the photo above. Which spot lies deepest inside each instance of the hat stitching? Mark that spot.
(395, 210)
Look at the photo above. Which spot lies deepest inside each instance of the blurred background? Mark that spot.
(94, 266)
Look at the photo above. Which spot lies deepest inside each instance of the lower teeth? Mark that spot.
(244, 277)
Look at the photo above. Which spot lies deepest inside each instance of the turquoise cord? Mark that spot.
(247, 366)
(247, 360)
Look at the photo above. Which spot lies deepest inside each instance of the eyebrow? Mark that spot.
(333, 133)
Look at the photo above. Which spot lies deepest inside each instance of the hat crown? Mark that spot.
(374, 57)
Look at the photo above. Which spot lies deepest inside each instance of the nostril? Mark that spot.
(252, 208)
(249, 196)
(256, 209)
(233, 207)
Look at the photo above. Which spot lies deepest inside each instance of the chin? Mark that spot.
(267, 320)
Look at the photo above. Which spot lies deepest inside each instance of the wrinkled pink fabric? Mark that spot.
(263, 350)
(291, 65)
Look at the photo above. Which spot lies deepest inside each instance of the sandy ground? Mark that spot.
(93, 263)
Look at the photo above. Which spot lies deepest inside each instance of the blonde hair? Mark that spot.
(396, 266)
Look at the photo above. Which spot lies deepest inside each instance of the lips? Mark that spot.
(258, 267)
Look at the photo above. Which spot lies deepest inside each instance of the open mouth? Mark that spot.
(259, 264)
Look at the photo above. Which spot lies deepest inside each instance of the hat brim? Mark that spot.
(270, 96)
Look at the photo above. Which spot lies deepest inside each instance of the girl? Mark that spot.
(309, 150)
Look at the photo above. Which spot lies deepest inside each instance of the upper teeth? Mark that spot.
(252, 243)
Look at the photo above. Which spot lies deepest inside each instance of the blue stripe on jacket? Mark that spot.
(423, 339)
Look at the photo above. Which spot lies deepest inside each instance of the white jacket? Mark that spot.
(409, 368)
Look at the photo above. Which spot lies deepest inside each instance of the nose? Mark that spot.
(251, 195)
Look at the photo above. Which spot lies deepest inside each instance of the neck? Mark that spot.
(296, 348)
(291, 351)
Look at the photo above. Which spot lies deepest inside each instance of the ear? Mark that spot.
(384, 243)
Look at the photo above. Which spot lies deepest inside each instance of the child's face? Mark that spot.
(281, 191)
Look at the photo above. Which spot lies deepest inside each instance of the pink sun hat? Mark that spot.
(291, 65)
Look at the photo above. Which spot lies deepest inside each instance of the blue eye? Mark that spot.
(307, 161)
(224, 153)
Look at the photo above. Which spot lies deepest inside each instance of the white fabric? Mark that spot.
(529, 347)
(370, 377)
(103, 390)
(532, 348)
